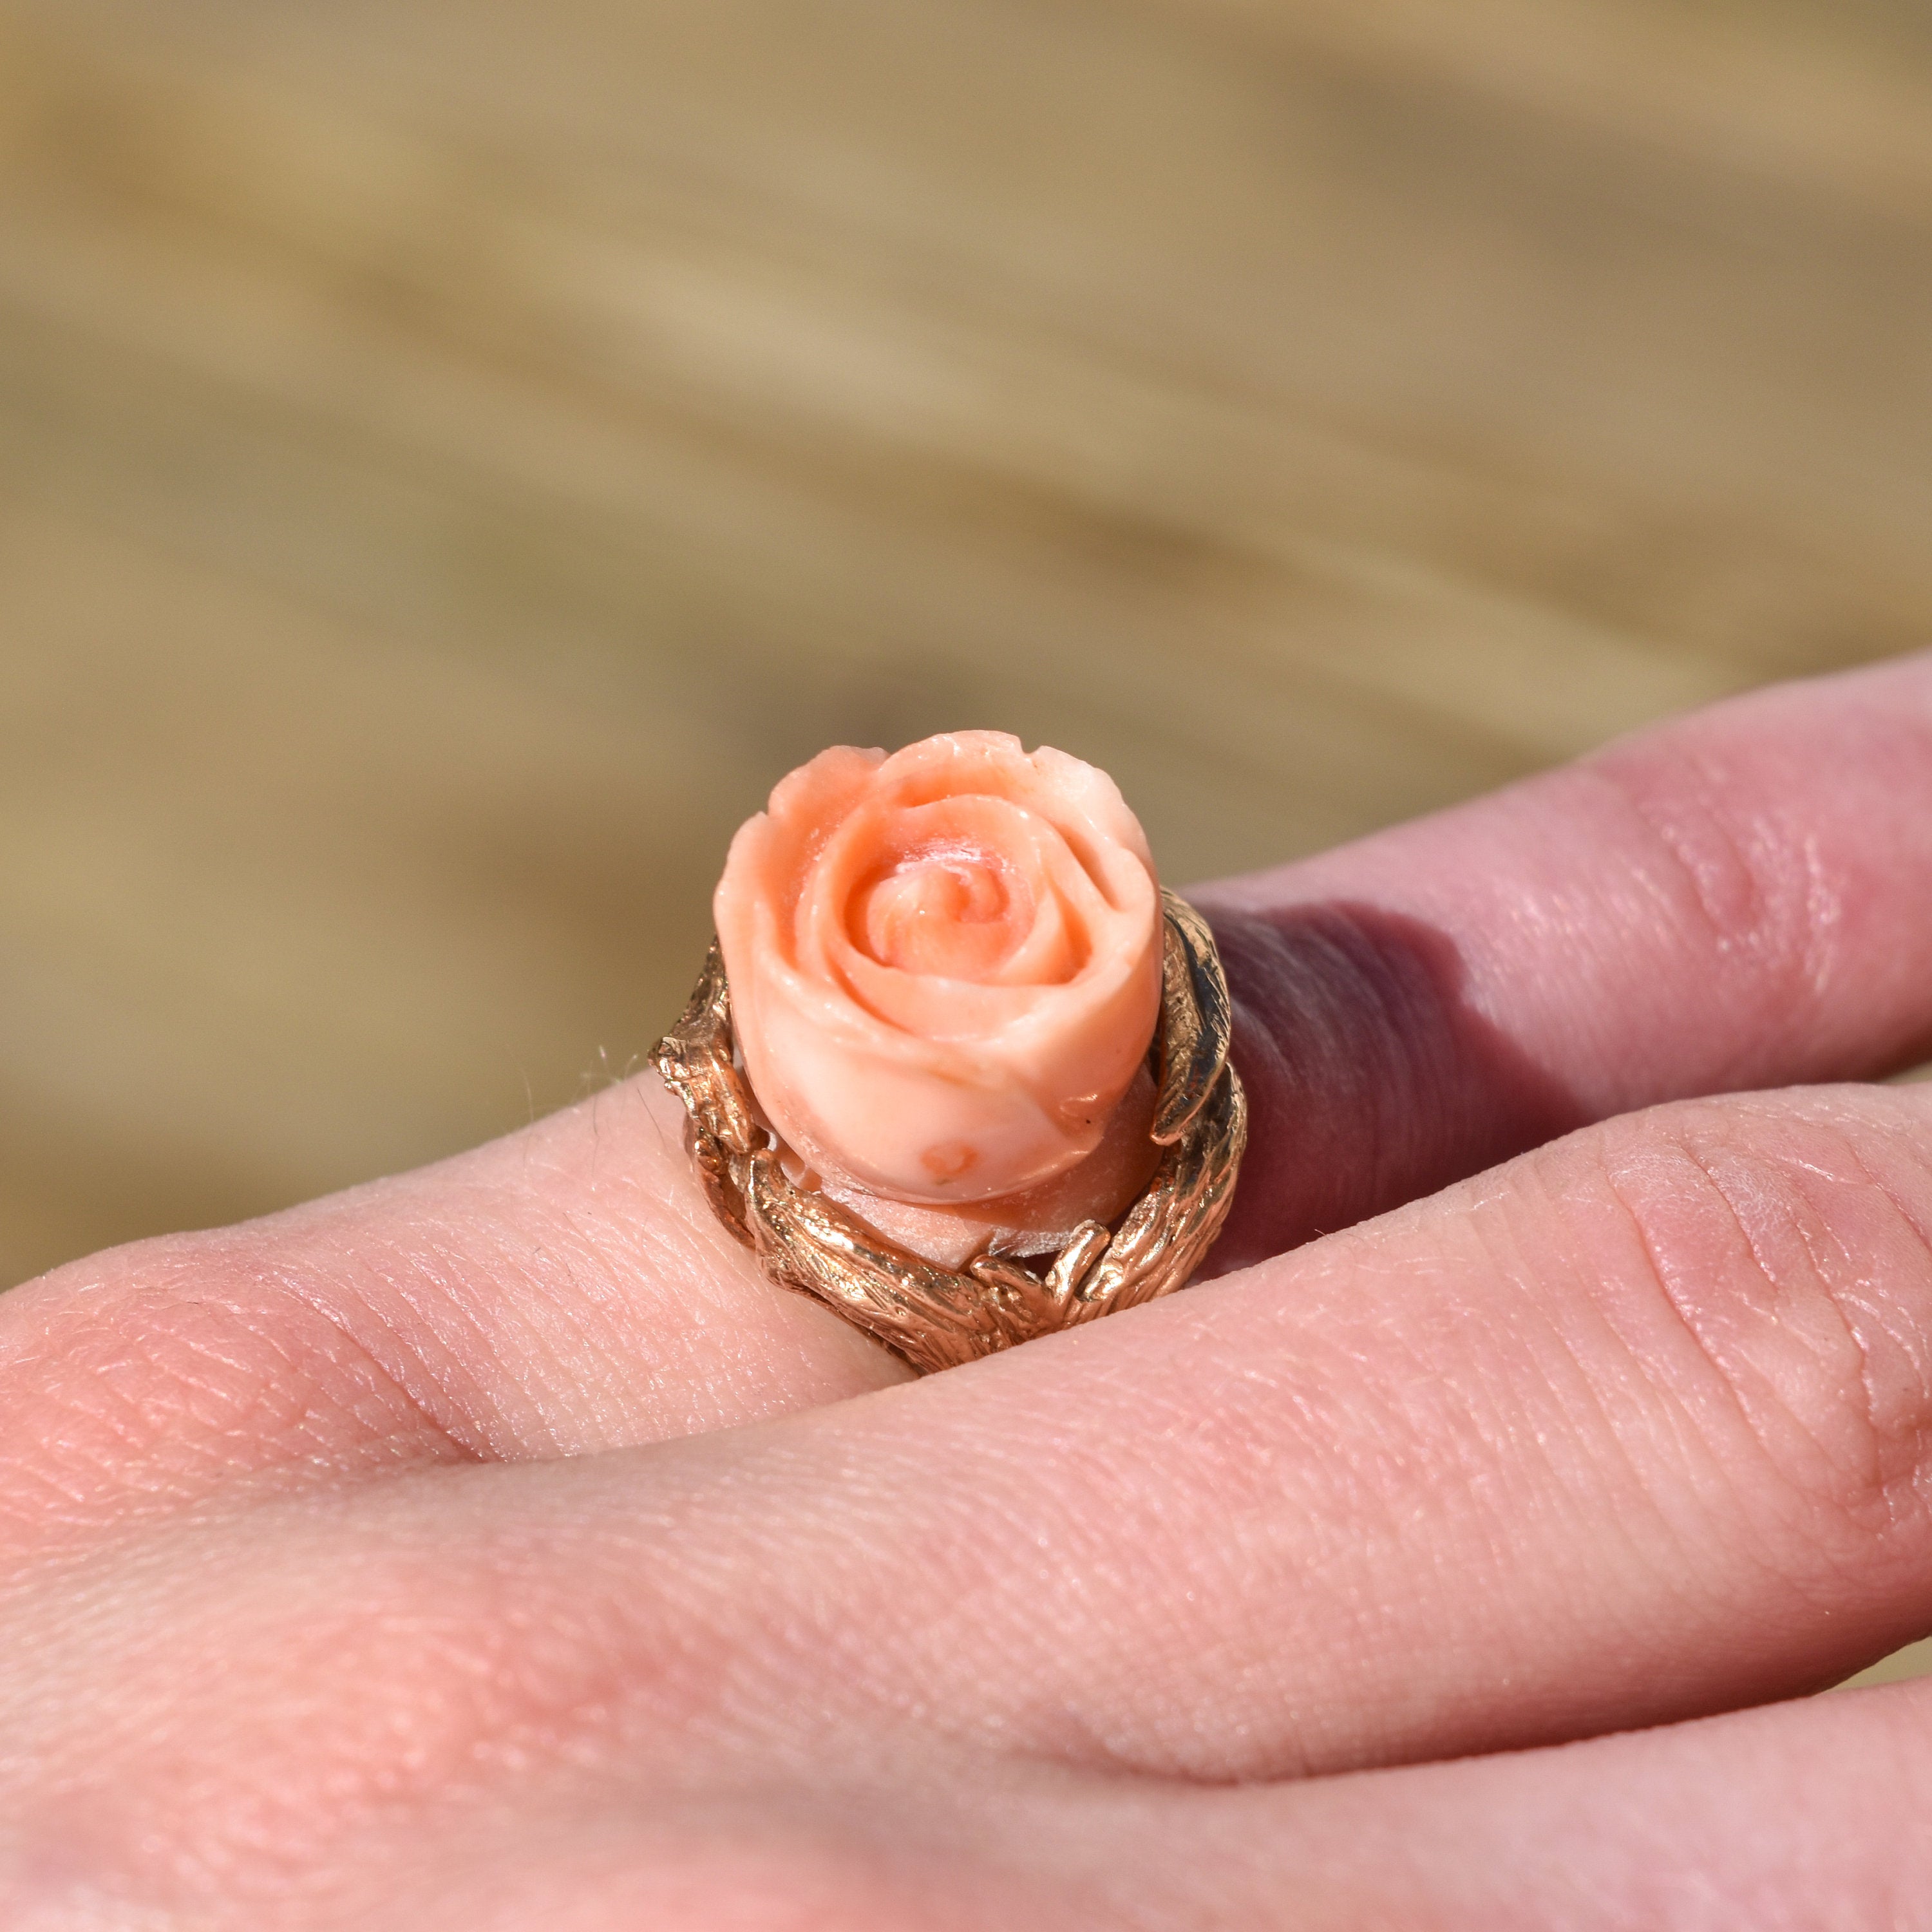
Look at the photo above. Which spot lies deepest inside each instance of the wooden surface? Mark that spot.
(453, 457)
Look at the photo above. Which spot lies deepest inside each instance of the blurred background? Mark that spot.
(455, 454)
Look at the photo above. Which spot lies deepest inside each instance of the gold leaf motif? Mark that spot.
(1197, 1018)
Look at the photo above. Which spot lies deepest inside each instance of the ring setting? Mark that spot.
(936, 1317)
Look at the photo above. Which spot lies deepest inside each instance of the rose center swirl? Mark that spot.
(954, 912)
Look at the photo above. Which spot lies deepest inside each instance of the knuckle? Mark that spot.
(1750, 890)
(145, 1378)
(1790, 1238)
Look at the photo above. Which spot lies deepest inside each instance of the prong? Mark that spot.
(1071, 1265)
(1024, 1291)
(694, 1060)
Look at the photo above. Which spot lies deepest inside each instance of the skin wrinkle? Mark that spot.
(151, 1461)
(1917, 1347)
(1664, 1272)
(562, 1387)
(1741, 1507)
(474, 1363)
(430, 1373)
(1758, 883)
(1875, 1456)
(1691, 1447)
(260, 1399)
(1819, 1513)
(1871, 1476)
(1740, 907)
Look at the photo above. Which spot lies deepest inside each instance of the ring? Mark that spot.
(937, 1317)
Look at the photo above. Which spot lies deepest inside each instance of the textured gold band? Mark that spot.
(934, 1317)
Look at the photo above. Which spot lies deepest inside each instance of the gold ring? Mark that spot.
(934, 1317)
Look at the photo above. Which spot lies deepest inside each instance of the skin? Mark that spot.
(492, 1546)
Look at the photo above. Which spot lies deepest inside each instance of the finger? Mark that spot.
(562, 1290)
(1637, 1428)
(1808, 1815)
(1634, 1429)
(399, 1708)
(1741, 898)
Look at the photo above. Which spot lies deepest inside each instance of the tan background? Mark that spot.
(455, 454)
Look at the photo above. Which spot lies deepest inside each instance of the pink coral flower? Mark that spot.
(945, 965)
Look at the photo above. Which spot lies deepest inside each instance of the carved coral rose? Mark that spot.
(945, 973)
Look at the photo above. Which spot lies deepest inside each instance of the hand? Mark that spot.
(397, 1562)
